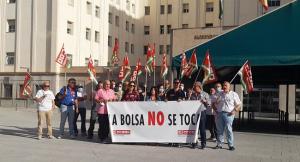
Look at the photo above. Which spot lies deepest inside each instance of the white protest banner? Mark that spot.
(157, 122)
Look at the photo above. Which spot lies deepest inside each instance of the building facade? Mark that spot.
(32, 32)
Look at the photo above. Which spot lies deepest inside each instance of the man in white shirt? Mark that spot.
(45, 99)
(226, 105)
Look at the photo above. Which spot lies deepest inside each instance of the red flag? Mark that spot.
(137, 71)
(192, 65)
(206, 66)
(150, 59)
(264, 3)
(92, 70)
(183, 65)
(62, 57)
(125, 69)
(26, 90)
(246, 77)
(115, 55)
(164, 66)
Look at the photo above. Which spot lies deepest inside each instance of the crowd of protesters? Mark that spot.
(220, 106)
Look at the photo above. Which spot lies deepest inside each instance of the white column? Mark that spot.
(282, 97)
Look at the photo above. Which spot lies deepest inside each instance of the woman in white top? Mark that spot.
(45, 99)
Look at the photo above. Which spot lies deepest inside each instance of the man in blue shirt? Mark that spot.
(69, 104)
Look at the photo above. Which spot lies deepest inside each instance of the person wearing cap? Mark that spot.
(103, 96)
(175, 94)
(69, 105)
(203, 97)
(81, 97)
(45, 99)
(227, 105)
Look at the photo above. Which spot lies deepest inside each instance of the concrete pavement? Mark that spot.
(18, 143)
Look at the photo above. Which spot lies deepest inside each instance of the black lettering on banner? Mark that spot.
(181, 119)
(114, 122)
(187, 119)
(122, 119)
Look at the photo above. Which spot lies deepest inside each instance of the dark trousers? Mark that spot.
(82, 113)
(103, 126)
(202, 127)
(93, 120)
(211, 124)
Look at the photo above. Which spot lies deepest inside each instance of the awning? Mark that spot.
(270, 40)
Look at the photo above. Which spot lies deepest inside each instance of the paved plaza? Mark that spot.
(18, 143)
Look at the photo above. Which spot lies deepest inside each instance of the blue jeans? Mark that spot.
(224, 122)
(67, 112)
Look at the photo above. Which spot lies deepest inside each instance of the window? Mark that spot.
(273, 3)
(88, 34)
(146, 30)
(96, 62)
(11, 26)
(185, 8)
(169, 9)
(110, 17)
(132, 28)
(168, 49)
(86, 61)
(161, 49)
(184, 26)
(162, 9)
(117, 21)
(109, 41)
(70, 60)
(71, 2)
(147, 10)
(70, 26)
(97, 11)
(88, 7)
(162, 29)
(209, 7)
(126, 47)
(127, 4)
(209, 25)
(127, 26)
(133, 8)
(11, 1)
(10, 58)
(8, 89)
(132, 48)
(97, 36)
(169, 27)
(145, 50)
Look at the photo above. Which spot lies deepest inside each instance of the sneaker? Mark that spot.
(218, 147)
(51, 137)
(72, 136)
(59, 137)
(39, 137)
(214, 139)
(194, 145)
(231, 148)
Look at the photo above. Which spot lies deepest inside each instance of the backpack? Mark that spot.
(57, 100)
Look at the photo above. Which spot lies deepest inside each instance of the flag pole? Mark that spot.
(146, 81)
(197, 75)
(238, 72)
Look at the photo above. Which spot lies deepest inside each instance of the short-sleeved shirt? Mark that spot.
(173, 95)
(227, 101)
(46, 103)
(81, 104)
(70, 98)
(131, 96)
(202, 96)
(103, 94)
